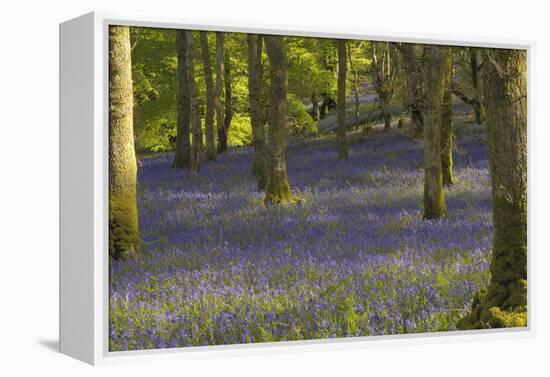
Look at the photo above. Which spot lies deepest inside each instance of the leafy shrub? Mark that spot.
(157, 135)
(240, 132)
(300, 122)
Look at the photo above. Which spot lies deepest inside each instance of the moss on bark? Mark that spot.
(278, 189)
(504, 88)
(499, 305)
(123, 224)
(123, 220)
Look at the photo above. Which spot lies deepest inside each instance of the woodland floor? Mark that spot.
(354, 258)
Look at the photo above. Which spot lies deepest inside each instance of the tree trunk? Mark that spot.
(355, 85)
(259, 163)
(278, 189)
(447, 127)
(383, 105)
(182, 156)
(218, 88)
(383, 75)
(196, 128)
(341, 112)
(123, 218)
(413, 78)
(209, 114)
(435, 74)
(315, 114)
(504, 87)
(325, 106)
(222, 146)
(474, 67)
(387, 119)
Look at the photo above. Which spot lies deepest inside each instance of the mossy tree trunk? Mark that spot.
(504, 89)
(447, 126)
(260, 160)
(210, 153)
(278, 189)
(123, 218)
(182, 156)
(196, 127)
(413, 78)
(218, 88)
(341, 107)
(435, 74)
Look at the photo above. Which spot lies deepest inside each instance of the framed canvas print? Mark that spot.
(227, 187)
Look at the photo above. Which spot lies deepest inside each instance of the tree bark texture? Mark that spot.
(413, 76)
(447, 126)
(255, 80)
(504, 89)
(218, 88)
(435, 74)
(123, 218)
(182, 156)
(222, 146)
(383, 73)
(210, 153)
(341, 109)
(355, 84)
(196, 128)
(474, 68)
(278, 189)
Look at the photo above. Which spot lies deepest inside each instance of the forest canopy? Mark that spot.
(312, 76)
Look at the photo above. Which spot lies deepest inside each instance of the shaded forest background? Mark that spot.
(313, 65)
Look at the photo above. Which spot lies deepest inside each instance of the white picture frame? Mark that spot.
(84, 191)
